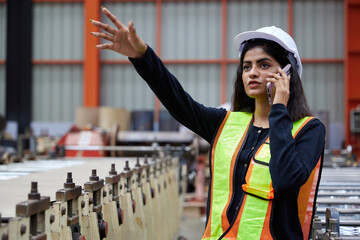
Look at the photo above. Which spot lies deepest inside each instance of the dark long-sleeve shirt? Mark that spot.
(292, 160)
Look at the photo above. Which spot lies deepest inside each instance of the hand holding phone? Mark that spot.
(270, 87)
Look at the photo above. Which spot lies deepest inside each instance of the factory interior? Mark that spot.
(87, 150)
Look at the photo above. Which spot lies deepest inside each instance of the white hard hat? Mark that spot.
(274, 34)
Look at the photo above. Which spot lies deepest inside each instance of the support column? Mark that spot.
(158, 52)
(18, 63)
(223, 50)
(91, 69)
(351, 68)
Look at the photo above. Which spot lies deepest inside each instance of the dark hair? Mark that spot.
(297, 105)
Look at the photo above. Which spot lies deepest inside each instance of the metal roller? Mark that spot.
(338, 204)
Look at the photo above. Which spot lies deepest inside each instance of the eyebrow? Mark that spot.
(260, 60)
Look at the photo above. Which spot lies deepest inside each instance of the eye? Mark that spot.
(264, 65)
(246, 67)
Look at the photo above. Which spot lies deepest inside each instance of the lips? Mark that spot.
(253, 83)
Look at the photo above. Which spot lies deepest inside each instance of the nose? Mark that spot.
(254, 72)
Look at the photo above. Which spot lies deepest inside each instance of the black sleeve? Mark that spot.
(292, 160)
(202, 120)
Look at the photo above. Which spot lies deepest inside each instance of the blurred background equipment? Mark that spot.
(2, 126)
(123, 198)
(338, 204)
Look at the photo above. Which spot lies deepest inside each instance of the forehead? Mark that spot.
(257, 53)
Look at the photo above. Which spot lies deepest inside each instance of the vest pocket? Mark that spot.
(258, 180)
(258, 192)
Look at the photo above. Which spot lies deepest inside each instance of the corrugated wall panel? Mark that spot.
(319, 28)
(231, 77)
(121, 86)
(191, 30)
(324, 88)
(142, 14)
(2, 90)
(57, 92)
(58, 31)
(200, 81)
(3, 22)
(251, 15)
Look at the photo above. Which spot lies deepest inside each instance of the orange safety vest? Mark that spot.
(253, 217)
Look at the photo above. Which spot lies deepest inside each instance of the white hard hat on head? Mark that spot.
(273, 34)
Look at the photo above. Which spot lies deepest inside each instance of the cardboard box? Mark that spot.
(86, 115)
(109, 116)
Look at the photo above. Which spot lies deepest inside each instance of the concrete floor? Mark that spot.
(191, 228)
(50, 176)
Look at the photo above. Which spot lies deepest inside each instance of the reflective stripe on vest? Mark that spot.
(227, 144)
(253, 219)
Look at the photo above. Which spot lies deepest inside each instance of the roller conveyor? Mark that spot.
(338, 205)
(132, 200)
(49, 178)
(334, 188)
(338, 193)
(338, 201)
(344, 211)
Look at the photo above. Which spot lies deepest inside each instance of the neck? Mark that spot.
(261, 114)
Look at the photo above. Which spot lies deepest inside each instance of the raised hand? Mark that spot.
(282, 86)
(124, 40)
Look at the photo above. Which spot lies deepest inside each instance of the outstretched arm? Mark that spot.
(123, 40)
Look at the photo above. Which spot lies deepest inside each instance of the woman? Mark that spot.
(250, 196)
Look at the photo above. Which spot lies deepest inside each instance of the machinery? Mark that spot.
(141, 201)
(338, 205)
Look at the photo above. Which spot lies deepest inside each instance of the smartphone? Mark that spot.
(271, 88)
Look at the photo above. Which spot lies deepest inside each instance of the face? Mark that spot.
(256, 66)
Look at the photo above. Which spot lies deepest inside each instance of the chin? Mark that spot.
(255, 94)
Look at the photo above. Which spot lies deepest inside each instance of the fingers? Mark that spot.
(114, 19)
(133, 36)
(281, 81)
(273, 77)
(103, 26)
(135, 40)
(109, 46)
(285, 78)
(131, 27)
(103, 36)
(282, 85)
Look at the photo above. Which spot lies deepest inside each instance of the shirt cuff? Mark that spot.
(278, 111)
(141, 61)
(278, 106)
